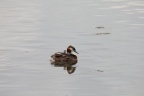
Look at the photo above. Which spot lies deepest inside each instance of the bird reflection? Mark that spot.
(70, 68)
(65, 59)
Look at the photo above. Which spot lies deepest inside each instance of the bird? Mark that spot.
(64, 58)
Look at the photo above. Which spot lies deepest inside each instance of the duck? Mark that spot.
(65, 58)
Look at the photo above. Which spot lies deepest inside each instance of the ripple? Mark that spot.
(115, 0)
(120, 21)
(119, 7)
(141, 17)
(137, 24)
(136, 3)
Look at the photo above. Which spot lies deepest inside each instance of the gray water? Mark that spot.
(109, 64)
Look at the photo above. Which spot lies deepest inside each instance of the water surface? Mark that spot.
(109, 64)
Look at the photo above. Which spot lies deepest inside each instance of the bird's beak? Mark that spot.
(76, 52)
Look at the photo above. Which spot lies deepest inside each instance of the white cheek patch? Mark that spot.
(73, 52)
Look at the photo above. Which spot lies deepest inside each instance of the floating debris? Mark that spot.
(100, 27)
(102, 33)
(100, 70)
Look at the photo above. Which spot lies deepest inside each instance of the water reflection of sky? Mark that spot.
(32, 30)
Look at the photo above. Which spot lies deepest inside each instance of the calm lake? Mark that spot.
(108, 34)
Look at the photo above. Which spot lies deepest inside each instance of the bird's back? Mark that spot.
(64, 58)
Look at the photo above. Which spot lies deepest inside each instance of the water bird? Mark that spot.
(65, 58)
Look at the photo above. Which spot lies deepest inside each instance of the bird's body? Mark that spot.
(62, 58)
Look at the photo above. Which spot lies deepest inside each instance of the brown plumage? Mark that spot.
(63, 58)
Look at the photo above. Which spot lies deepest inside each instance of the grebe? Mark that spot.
(66, 57)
